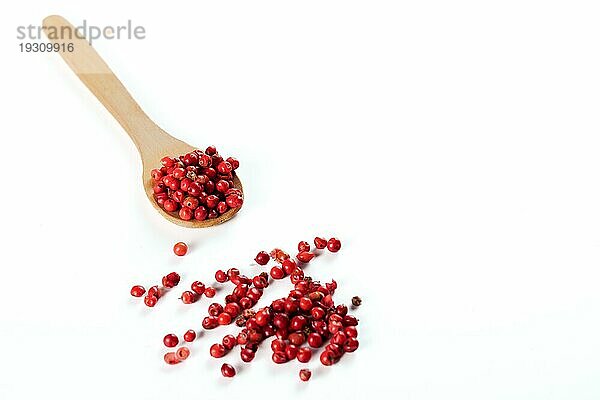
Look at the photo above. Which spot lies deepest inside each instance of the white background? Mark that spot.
(452, 146)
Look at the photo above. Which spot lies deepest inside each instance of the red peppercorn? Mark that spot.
(222, 207)
(334, 326)
(232, 309)
(304, 354)
(185, 213)
(160, 198)
(210, 292)
(211, 200)
(260, 282)
(278, 345)
(247, 355)
(296, 338)
(320, 243)
(263, 317)
(150, 301)
(189, 335)
(182, 353)
(234, 200)
(305, 374)
(240, 291)
(229, 342)
(327, 358)
(234, 162)
(198, 288)
(277, 273)
(262, 258)
(334, 245)
(305, 256)
(281, 321)
(158, 188)
(189, 297)
(291, 351)
(279, 357)
(305, 304)
(224, 167)
(156, 174)
(178, 173)
(184, 185)
(298, 322)
(341, 309)
(297, 276)
(211, 150)
(335, 349)
(303, 246)
(137, 291)
(224, 318)
(291, 306)
(254, 294)
(180, 249)
(351, 345)
(246, 303)
(200, 213)
(279, 255)
(170, 205)
(222, 186)
(191, 202)
(154, 291)
(289, 266)
(314, 340)
(217, 350)
(171, 280)
(242, 337)
(351, 332)
(255, 336)
(210, 322)
(233, 272)
(221, 276)
(227, 371)
(177, 196)
(171, 340)
(171, 358)
(215, 309)
(339, 338)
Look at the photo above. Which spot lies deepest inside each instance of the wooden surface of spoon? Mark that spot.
(152, 142)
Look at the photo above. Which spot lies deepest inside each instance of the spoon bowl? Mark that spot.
(152, 142)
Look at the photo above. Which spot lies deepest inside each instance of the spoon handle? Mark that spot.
(91, 69)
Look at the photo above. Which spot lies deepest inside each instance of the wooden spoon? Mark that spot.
(152, 142)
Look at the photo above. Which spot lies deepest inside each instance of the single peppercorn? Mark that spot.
(305, 374)
(210, 292)
(227, 371)
(189, 297)
(189, 335)
(356, 301)
(198, 288)
(221, 276)
(334, 245)
(320, 243)
(182, 353)
(137, 291)
(217, 350)
(262, 258)
(303, 246)
(150, 301)
(180, 249)
(171, 340)
(171, 358)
